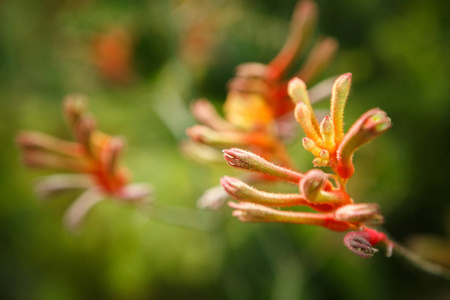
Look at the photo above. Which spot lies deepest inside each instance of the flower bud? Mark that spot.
(30, 140)
(371, 124)
(318, 59)
(73, 108)
(302, 24)
(339, 95)
(206, 113)
(365, 213)
(327, 132)
(321, 162)
(240, 191)
(213, 198)
(312, 184)
(84, 130)
(311, 146)
(48, 160)
(318, 189)
(241, 159)
(306, 119)
(206, 135)
(250, 212)
(297, 91)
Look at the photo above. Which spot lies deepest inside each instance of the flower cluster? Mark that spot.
(93, 157)
(257, 97)
(323, 192)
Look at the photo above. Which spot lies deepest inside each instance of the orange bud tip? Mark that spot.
(235, 157)
(241, 159)
(230, 185)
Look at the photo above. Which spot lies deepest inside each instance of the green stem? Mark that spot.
(417, 261)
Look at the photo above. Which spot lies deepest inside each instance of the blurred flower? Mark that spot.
(325, 193)
(257, 99)
(94, 156)
(257, 96)
(201, 25)
(112, 54)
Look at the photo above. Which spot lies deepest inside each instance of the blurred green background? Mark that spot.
(173, 52)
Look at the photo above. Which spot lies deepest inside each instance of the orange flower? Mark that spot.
(257, 96)
(325, 193)
(327, 141)
(112, 54)
(94, 156)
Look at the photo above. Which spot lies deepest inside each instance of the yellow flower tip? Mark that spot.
(339, 95)
(371, 124)
(306, 121)
(247, 110)
(232, 186)
(344, 78)
(327, 132)
(378, 123)
(324, 154)
(311, 146)
(301, 112)
(297, 90)
(320, 162)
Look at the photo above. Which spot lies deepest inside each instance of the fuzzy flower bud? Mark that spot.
(297, 91)
(365, 213)
(327, 132)
(306, 118)
(242, 159)
(250, 212)
(311, 146)
(241, 191)
(339, 95)
(371, 124)
(316, 187)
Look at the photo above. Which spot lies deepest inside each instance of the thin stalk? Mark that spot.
(416, 260)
